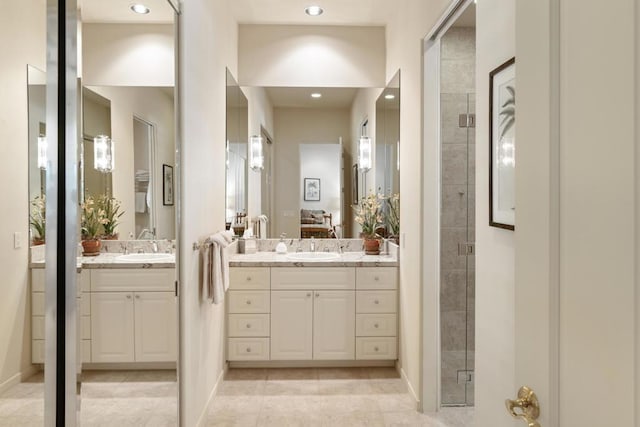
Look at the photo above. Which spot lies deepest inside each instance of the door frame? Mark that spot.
(430, 390)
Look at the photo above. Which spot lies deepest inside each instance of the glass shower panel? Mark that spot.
(457, 263)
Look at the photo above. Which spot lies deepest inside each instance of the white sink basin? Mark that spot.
(313, 256)
(146, 258)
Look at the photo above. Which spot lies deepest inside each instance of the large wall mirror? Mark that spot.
(237, 153)
(387, 169)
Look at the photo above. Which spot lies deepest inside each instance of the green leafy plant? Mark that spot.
(111, 208)
(92, 219)
(392, 214)
(369, 215)
(508, 111)
(37, 217)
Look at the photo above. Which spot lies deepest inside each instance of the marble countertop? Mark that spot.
(347, 259)
(108, 260)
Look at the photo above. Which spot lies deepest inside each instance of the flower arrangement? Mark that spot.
(392, 214)
(110, 207)
(92, 219)
(37, 219)
(369, 215)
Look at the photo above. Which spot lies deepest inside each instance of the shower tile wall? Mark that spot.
(457, 294)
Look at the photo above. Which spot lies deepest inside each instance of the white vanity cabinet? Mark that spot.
(134, 315)
(291, 325)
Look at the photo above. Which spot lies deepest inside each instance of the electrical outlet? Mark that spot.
(17, 240)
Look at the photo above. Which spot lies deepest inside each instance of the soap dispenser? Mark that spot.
(281, 247)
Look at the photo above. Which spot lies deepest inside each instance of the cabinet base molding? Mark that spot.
(141, 366)
(315, 364)
(16, 379)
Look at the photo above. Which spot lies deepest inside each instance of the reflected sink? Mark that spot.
(146, 258)
(313, 256)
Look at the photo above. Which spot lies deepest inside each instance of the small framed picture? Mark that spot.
(502, 143)
(312, 189)
(167, 185)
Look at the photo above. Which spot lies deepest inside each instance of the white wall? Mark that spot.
(260, 114)
(155, 106)
(311, 56)
(404, 51)
(495, 280)
(208, 44)
(322, 161)
(22, 42)
(295, 126)
(128, 55)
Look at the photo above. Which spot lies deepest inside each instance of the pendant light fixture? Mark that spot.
(103, 154)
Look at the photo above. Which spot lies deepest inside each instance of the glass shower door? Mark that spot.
(457, 259)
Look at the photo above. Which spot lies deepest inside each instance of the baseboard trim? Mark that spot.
(313, 364)
(127, 366)
(412, 392)
(202, 420)
(15, 379)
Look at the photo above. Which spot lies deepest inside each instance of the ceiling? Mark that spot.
(300, 97)
(119, 11)
(336, 12)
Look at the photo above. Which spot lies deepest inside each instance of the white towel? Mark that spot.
(217, 278)
(141, 202)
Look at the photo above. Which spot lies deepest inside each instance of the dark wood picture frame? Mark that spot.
(312, 189)
(496, 119)
(167, 185)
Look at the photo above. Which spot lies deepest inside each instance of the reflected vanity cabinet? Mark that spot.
(125, 315)
(310, 313)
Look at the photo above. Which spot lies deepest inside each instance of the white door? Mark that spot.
(112, 327)
(155, 327)
(574, 299)
(334, 319)
(291, 325)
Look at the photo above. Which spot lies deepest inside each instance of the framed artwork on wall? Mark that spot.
(502, 145)
(167, 185)
(312, 189)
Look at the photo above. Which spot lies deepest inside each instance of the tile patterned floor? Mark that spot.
(247, 397)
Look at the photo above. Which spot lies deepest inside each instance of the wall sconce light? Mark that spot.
(103, 154)
(364, 154)
(42, 152)
(256, 158)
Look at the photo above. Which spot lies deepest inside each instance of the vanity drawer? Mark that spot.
(249, 301)
(37, 303)
(37, 327)
(133, 279)
(376, 278)
(249, 278)
(376, 302)
(376, 325)
(248, 349)
(312, 278)
(37, 351)
(249, 325)
(372, 348)
(37, 280)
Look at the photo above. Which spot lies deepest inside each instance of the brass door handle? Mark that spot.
(527, 401)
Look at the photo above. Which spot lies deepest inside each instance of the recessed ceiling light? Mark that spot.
(140, 8)
(316, 95)
(313, 11)
(389, 96)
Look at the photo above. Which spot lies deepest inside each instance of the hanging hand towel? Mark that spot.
(141, 202)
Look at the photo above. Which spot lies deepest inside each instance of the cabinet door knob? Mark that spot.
(375, 325)
(309, 294)
(248, 302)
(376, 278)
(376, 302)
(248, 349)
(137, 296)
(128, 296)
(248, 278)
(317, 294)
(375, 348)
(248, 325)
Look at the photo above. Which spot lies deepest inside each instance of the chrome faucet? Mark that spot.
(154, 247)
(312, 245)
(125, 248)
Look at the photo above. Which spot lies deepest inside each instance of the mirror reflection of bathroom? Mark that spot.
(127, 331)
(310, 138)
(457, 258)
